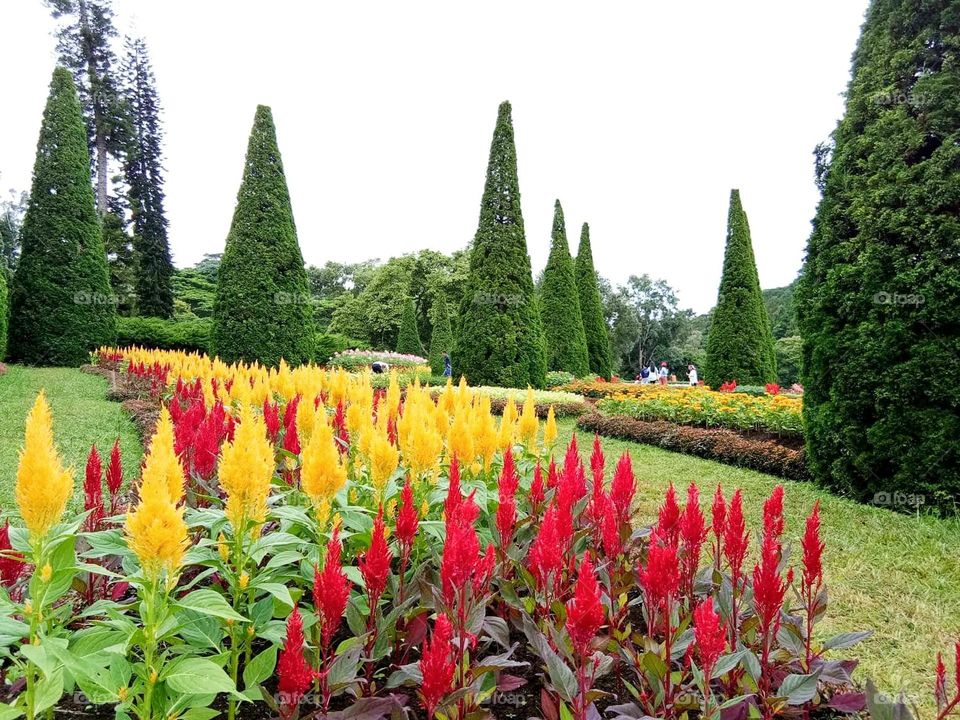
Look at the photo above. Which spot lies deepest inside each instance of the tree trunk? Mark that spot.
(100, 140)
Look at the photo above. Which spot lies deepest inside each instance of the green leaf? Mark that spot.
(279, 591)
(49, 690)
(196, 676)
(260, 667)
(9, 712)
(210, 602)
(799, 689)
(846, 640)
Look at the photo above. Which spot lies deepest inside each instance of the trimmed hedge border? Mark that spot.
(726, 446)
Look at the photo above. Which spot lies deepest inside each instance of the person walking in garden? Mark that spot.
(692, 375)
(447, 365)
(652, 373)
(664, 373)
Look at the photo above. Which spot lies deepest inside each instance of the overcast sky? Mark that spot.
(638, 116)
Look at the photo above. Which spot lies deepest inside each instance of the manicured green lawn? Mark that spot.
(82, 416)
(898, 575)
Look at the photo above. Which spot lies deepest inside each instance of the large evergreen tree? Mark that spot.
(4, 313)
(262, 309)
(441, 337)
(60, 300)
(564, 337)
(143, 168)
(740, 343)
(591, 309)
(408, 341)
(500, 336)
(84, 43)
(877, 301)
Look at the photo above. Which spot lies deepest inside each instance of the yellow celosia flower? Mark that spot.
(43, 486)
(306, 419)
(460, 439)
(528, 425)
(322, 474)
(246, 469)
(550, 429)
(484, 430)
(162, 466)
(508, 424)
(383, 461)
(156, 532)
(392, 399)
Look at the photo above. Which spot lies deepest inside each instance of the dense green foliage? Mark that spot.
(143, 170)
(4, 313)
(408, 340)
(192, 334)
(782, 310)
(500, 336)
(789, 357)
(61, 305)
(120, 262)
(262, 309)
(441, 338)
(740, 343)
(879, 293)
(591, 309)
(564, 338)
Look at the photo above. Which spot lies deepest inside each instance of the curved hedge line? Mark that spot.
(154, 332)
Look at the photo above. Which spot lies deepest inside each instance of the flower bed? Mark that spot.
(726, 446)
(303, 545)
(358, 359)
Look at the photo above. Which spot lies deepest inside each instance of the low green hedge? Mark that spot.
(326, 345)
(152, 332)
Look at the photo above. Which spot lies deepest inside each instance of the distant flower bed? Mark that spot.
(698, 406)
(355, 359)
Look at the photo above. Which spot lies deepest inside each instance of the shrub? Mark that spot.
(360, 359)
(263, 309)
(408, 340)
(556, 378)
(61, 304)
(326, 345)
(441, 337)
(591, 309)
(789, 352)
(718, 444)
(154, 332)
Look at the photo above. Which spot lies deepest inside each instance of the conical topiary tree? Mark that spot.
(740, 343)
(262, 310)
(441, 338)
(877, 300)
(564, 337)
(500, 336)
(61, 305)
(591, 309)
(408, 340)
(4, 313)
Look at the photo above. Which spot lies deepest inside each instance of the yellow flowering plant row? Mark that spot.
(701, 406)
(247, 474)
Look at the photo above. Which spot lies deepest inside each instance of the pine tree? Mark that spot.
(564, 336)
(120, 262)
(591, 309)
(441, 338)
(408, 340)
(143, 170)
(500, 336)
(740, 343)
(61, 306)
(263, 306)
(4, 313)
(84, 44)
(877, 301)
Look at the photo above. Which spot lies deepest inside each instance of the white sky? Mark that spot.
(639, 116)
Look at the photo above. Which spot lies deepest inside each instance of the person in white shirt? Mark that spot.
(664, 373)
(692, 374)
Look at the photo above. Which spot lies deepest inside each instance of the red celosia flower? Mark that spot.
(622, 489)
(610, 530)
(291, 443)
(392, 429)
(271, 418)
(573, 475)
(940, 682)
(115, 471)
(290, 411)
(93, 491)
(668, 522)
(454, 496)
(584, 611)
(294, 674)
(768, 586)
(719, 522)
(461, 548)
(709, 635)
(661, 577)
(693, 531)
(206, 446)
(375, 563)
(483, 572)
(736, 538)
(813, 547)
(331, 590)
(773, 513)
(553, 476)
(437, 666)
(507, 507)
(537, 493)
(11, 563)
(597, 461)
(407, 518)
(340, 428)
(546, 555)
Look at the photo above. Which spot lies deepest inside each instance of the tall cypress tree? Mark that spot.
(143, 169)
(564, 337)
(441, 337)
(500, 340)
(262, 309)
(740, 343)
(408, 339)
(878, 297)
(61, 306)
(4, 313)
(591, 309)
